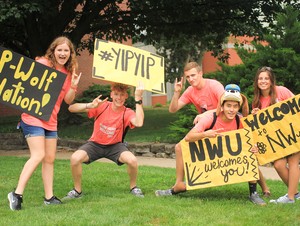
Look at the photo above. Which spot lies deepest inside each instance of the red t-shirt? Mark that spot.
(52, 123)
(205, 98)
(109, 126)
(205, 122)
(282, 92)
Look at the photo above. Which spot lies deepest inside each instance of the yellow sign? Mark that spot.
(128, 65)
(223, 160)
(276, 130)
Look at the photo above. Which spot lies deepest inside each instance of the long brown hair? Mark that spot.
(72, 61)
(257, 92)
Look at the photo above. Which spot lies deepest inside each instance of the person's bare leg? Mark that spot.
(294, 174)
(179, 185)
(282, 170)
(132, 167)
(37, 152)
(263, 184)
(48, 166)
(77, 158)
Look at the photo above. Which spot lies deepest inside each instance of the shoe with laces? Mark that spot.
(167, 192)
(256, 199)
(137, 192)
(73, 194)
(283, 199)
(14, 201)
(52, 201)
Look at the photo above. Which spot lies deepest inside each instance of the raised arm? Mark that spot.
(138, 120)
(175, 104)
(70, 95)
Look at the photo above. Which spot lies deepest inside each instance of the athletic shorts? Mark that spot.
(97, 151)
(36, 131)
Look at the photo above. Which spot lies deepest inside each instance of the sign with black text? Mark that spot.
(276, 130)
(27, 85)
(226, 159)
(128, 65)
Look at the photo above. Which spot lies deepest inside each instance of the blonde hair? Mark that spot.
(192, 65)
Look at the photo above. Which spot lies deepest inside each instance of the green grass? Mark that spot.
(107, 201)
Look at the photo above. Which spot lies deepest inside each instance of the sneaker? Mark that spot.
(283, 199)
(256, 199)
(52, 201)
(73, 194)
(167, 192)
(297, 196)
(137, 192)
(14, 201)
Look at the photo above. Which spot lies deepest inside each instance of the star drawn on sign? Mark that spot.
(192, 177)
(105, 55)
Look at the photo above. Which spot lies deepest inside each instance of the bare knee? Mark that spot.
(132, 162)
(78, 157)
(280, 164)
(178, 148)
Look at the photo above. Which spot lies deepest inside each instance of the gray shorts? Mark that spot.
(97, 151)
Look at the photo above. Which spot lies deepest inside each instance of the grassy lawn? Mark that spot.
(107, 201)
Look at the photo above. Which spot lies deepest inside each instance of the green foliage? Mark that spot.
(28, 26)
(282, 54)
(183, 124)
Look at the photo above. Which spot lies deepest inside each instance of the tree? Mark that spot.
(282, 54)
(28, 26)
(183, 30)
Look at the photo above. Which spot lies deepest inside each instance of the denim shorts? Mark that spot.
(35, 131)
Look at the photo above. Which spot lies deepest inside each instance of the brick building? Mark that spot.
(209, 64)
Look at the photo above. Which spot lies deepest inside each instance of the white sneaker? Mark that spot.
(283, 199)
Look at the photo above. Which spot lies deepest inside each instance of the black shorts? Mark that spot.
(97, 151)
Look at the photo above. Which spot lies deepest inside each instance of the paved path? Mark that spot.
(268, 172)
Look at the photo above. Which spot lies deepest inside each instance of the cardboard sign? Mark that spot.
(27, 85)
(128, 65)
(276, 130)
(223, 160)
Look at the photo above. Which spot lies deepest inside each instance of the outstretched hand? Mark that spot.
(97, 101)
(212, 133)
